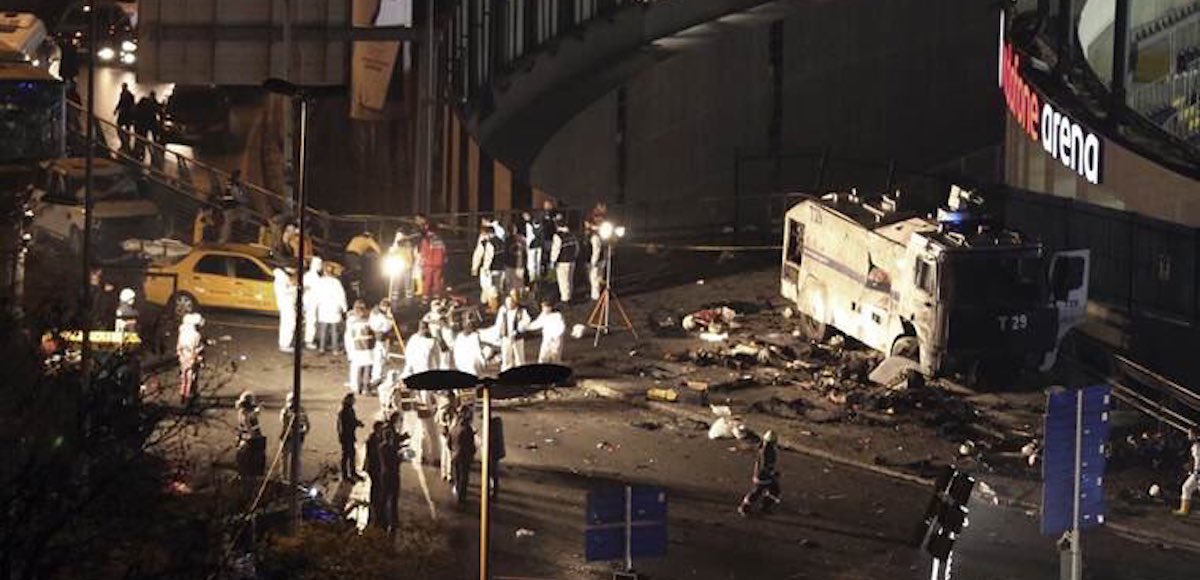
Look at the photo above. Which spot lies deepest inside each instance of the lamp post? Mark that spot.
(304, 95)
(515, 382)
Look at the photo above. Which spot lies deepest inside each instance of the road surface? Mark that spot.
(836, 522)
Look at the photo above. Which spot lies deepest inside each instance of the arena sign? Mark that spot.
(1061, 137)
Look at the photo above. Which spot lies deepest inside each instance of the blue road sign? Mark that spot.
(604, 538)
(1058, 465)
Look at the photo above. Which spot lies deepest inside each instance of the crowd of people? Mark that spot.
(358, 317)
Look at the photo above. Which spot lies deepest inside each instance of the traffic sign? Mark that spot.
(626, 522)
(1068, 411)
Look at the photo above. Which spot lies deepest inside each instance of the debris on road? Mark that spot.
(606, 446)
(710, 320)
(664, 395)
(647, 425)
(525, 533)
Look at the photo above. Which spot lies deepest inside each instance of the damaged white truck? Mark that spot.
(953, 292)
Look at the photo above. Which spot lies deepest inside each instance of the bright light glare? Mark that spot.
(128, 58)
(128, 46)
(106, 53)
(619, 231)
(606, 230)
(394, 265)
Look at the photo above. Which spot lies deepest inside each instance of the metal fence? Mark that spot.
(1139, 265)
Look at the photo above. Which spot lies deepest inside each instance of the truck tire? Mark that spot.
(907, 347)
(811, 328)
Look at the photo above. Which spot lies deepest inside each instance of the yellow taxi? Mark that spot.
(235, 276)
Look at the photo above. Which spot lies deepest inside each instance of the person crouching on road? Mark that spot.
(511, 322)
(462, 448)
(331, 307)
(766, 478)
(383, 329)
(285, 301)
(1192, 483)
(312, 282)
(554, 328)
(360, 348)
(189, 348)
(291, 425)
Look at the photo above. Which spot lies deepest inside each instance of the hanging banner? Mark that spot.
(372, 90)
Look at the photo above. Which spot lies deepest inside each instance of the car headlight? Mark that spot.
(106, 53)
(128, 58)
(128, 46)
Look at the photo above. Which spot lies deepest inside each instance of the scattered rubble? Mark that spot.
(647, 425)
(525, 533)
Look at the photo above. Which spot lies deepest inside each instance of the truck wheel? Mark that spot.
(907, 347)
(812, 328)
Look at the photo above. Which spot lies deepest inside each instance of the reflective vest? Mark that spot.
(568, 248)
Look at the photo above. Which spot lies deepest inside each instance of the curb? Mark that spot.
(1133, 534)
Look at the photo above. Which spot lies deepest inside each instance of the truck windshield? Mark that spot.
(996, 279)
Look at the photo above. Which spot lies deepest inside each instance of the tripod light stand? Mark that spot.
(602, 311)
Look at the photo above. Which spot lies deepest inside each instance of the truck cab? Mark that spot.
(953, 292)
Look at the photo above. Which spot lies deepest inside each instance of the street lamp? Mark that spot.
(515, 382)
(304, 95)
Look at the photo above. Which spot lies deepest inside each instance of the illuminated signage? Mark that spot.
(1061, 137)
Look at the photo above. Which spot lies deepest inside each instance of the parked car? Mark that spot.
(196, 114)
(234, 276)
(117, 41)
(119, 209)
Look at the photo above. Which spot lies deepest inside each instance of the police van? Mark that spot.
(952, 292)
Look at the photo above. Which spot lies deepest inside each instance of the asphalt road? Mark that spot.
(836, 522)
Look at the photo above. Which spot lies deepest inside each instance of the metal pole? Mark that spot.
(88, 199)
(485, 528)
(430, 109)
(1076, 547)
(1120, 62)
(289, 145)
(298, 335)
(628, 528)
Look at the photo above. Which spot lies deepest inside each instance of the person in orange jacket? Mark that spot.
(432, 255)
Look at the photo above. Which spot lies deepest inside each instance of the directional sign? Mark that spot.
(1067, 410)
(611, 513)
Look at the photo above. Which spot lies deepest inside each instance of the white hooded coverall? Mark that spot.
(381, 325)
(553, 327)
(1192, 483)
(468, 353)
(310, 280)
(596, 265)
(285, 301)
(510, 323)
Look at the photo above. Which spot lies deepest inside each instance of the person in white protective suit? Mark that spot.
(420, 355)
(511, 323)
(311, 280)
(331, 310)
(1192, 483)
(383, 328)
(285, 301)
(360, 348)
(564, 249)
(554, 328)
(468, 349)
(487, 262)
(438, 319)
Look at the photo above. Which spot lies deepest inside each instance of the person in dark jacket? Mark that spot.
(391, 452)
(766, 478)
(373, 464)
(347, 424)
(496, 452)
(462, 450)
(124, 112)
